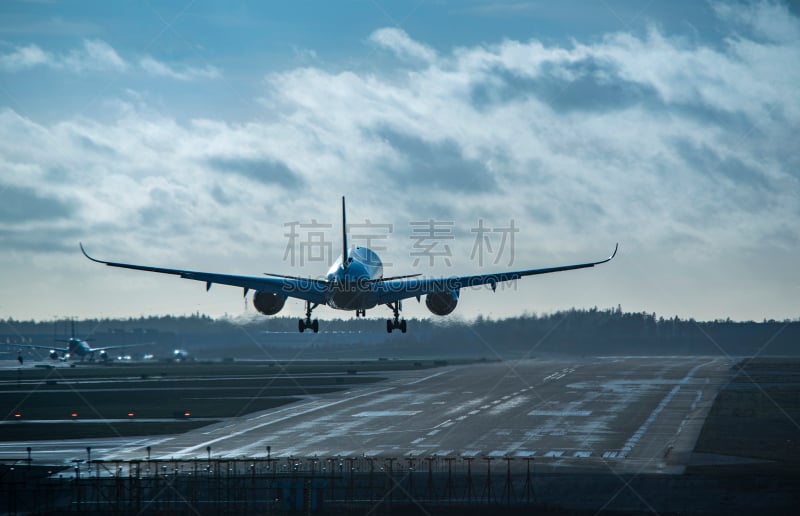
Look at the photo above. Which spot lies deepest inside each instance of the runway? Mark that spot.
(635, 414)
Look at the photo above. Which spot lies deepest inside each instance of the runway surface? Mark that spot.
(637, 414)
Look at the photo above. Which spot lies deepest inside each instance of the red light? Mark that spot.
(187, 414)
(130, 414)
(74, 414)
(17, 415)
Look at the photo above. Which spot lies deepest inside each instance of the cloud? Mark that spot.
(767, 19)
(398, 42)
(22, 205)
(98, 56)
(93, 56)
(24, 57)
(670, 130)
(157, 68)
(681, 148)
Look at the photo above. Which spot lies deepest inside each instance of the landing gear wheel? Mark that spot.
(397, 323)
(308, 323)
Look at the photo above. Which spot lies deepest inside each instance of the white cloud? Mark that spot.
(398, 42)
(98, 56)
(24, 57)
(93, 56)
(767, 19)
(158, 68)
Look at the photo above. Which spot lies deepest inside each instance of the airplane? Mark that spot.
(354, 282)
(77, 348)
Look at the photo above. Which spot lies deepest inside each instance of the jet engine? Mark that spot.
(268, 303)
(442, 303)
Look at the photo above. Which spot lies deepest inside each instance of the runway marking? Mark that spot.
(497, 453)
(508, 405)
(470, 453)
(417, 441)
(560, 413)
(634, 439)
(698, 396)
(427, 377)
(473, 412)
(387, 413)
(315, 406)
(444, 453)
(582, 454)
(433, 432)
(554, 453)
(442, 424)
(610, 455)
(523, 454)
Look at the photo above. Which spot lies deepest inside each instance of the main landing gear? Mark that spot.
(308, 323)
(397, 323)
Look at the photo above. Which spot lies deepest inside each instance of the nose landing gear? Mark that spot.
(397, 323)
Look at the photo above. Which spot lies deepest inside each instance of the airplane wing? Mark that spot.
(308, 289)
(120, 346)
(48, 348)
(397, 289)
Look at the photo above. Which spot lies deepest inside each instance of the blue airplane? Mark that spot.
(354, 282)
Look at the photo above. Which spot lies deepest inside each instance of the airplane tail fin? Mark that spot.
(344, 236)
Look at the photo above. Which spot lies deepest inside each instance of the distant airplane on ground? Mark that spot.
(354, 282)
(78, 348)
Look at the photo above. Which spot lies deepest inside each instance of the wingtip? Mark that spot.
(80, 244)
(616, 247)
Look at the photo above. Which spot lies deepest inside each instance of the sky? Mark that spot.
(468, 137)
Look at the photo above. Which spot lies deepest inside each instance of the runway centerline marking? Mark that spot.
(427, 378)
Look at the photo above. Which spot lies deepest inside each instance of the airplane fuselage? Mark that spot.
(351, 281)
